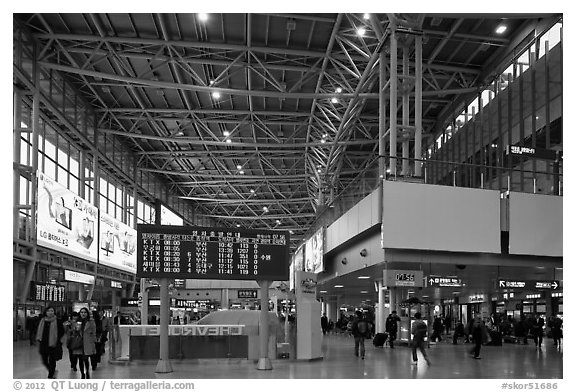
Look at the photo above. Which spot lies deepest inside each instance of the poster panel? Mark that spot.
(66, 222)
(117, 246)
(315, 252)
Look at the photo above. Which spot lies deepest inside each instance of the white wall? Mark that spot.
(535, 224)
(421, 216)
(358, 219)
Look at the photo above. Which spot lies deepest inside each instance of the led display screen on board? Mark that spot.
(314, 253)
(117, 246)
(187, 252)
(66, 222)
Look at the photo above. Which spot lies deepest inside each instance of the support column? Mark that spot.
(95, 193)
(418, 109)
(381, 321)
(144, 308)
(264, 362)
(405, 113)
(17, 120)
(224, 304)
(393, 98)
(392, 295)
(31, 266)
(164, 365)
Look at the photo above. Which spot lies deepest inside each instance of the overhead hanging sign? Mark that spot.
(66, 222)
(188, 252)
(528, 284)
(407, 278)
(444, 281)
(530, 152)
(79, 277)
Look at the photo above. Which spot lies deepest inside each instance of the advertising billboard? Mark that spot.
(117, 246)
(66, 222)
(315, 252)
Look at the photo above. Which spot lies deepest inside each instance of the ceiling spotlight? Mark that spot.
(265, 209)
(363, 277)
(226, 133)
(338, 286)
(212, 82)
(323, 291)
(366, 16)
(252, 191)
(203, 17)
(325, 135)
(501, 29)
(338, 90)
(241, 171)
(228, 141)
(334, 100)
(291, 231)
(361, 31)
(216, 95)
(363, 292)
(237, 224)
(238, 167)
(322, 141)
(278, 221)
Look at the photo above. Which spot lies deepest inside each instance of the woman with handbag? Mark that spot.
(50, 331)
(73, 339)
(86, 328)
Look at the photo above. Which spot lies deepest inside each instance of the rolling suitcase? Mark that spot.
(380, 339)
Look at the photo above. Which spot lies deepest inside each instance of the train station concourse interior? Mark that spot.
(234, 195)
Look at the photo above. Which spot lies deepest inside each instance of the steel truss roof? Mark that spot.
(151, 79)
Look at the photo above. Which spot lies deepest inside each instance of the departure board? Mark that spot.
(189, 252)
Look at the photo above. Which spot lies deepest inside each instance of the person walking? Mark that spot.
(391, 327)
(479, 335)
(99, 345)
(360, 331)
(419, 331)
(50, 331)
(70, 328)
(556, 329)
(437, 328)
(538, 331)
(87, 329)
(458, 331)
(32, 327)
(324, 323)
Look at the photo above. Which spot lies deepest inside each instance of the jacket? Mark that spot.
(88, 337)
(419, 330)
(392, 324)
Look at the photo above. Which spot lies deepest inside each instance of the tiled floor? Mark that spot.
(509, 361)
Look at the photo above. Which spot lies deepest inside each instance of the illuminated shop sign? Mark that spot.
(79, 277)
(476, 298)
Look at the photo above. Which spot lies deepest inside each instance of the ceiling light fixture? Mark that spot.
(363, 277)
(338, 90)
(322, 141)
(366, 16)
(216, 95)
(323, 291)
(252, 191)
(238, 167)
(334, 100)
(228, 141)
(241, 172)
(501, 29)
(265, 209)
(278, 221)
(203, 17)
(226, 133)
(338, 286)
(361, 31)
(363, 292)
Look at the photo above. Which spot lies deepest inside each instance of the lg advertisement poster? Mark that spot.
(117, 244)
(315, 252)
(66, 222)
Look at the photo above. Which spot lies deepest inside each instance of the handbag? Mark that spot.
(76, 342)
(58, 351)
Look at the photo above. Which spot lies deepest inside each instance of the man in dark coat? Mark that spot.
(392, 327)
